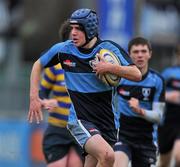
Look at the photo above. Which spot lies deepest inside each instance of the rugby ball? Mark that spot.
(109, 79)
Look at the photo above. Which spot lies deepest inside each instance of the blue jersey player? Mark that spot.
(169, 131)
(91, 119)
(141, 107)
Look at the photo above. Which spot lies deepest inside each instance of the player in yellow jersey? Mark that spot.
(59, 147)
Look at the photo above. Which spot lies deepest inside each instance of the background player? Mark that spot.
(169, 131)
(141, 108)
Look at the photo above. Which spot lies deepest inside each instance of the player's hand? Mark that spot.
(134, 104)
(49, 104)
(173, 97)
(35, 112)
(101, 67)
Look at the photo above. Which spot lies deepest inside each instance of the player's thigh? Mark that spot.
(55, 153)
(56, 145)
(90, 161)
(121, 159)
(164, 159)
(122, 155)
(74, 159)
(98, 147)
(176, 150)
(84, 132)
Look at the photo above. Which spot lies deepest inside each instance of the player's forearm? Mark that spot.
(129, 72)
(156, 114)
(35, 79)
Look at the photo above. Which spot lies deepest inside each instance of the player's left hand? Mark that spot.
(101, 67)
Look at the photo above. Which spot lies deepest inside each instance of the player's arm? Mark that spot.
(155, 115)
(173, 96)
(35, 102)
(130, 72)
(49, 59)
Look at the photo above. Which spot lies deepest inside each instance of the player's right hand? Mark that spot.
(49, 104)
(35, 112)
(173, 97)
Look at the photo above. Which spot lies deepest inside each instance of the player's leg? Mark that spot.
(122, 155)
(101, 150)
(166, 137)
(165, 159)
(121, 159)
(74, 159)
(55, 155)
(90, 161)
(56, 144)
(176, 152)
(61, 162)
(92, 142)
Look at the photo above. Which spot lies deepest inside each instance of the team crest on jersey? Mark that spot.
(146, 93)
(69, 63)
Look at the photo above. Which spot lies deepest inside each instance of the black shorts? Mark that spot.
(57, 142)
(167, 135)
(137, 140)
(83, 130)
(139, 154)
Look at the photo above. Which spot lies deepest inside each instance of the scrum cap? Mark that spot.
(88, 19)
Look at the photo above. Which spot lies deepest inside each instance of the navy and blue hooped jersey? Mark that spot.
(172, 79)
(91, 98)
(150, 89)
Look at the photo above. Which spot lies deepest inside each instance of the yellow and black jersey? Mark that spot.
(53, 81)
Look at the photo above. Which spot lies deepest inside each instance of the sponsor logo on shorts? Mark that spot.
(119, 143)
(93, 130)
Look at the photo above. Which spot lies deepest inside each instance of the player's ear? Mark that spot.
(150, 53)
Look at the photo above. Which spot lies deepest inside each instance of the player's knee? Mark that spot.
(177, 159)
(109, 158)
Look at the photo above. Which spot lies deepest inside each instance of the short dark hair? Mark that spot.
(139, 41)
(64, 31)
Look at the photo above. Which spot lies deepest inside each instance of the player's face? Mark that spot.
(140, 55)
(77, 35)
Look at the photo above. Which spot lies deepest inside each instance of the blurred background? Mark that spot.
(28, 28)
